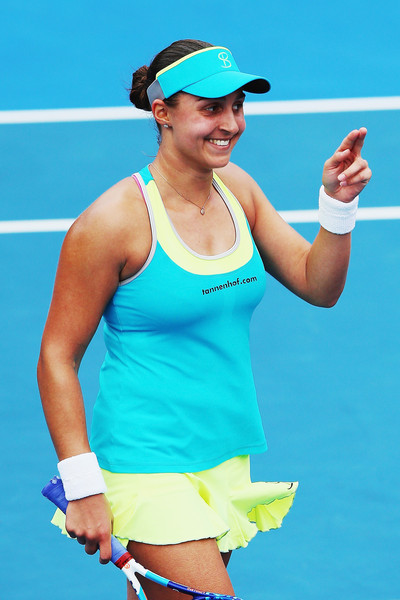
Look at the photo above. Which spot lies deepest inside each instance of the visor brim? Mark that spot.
(222, 84)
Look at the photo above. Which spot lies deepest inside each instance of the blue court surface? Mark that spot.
(327, 379)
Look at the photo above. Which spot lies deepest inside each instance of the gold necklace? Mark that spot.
(202, 209)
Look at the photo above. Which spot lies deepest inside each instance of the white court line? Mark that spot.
(35, 225)
(71, 115)
(125, 113)
(329, 105)
(381, 213)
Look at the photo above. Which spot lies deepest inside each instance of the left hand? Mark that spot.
(346, 174)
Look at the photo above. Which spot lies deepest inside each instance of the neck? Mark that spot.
(187, 178)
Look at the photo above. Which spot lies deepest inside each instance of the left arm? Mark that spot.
(344, 176)
(315, 272)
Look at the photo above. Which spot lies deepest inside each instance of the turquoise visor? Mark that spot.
(209, 73)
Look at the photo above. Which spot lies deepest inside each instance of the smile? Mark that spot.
(220, 142)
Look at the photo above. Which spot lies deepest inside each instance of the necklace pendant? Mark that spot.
(202, 211)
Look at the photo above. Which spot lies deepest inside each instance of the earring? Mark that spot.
(166, 126)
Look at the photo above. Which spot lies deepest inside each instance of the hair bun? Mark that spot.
(138, 91)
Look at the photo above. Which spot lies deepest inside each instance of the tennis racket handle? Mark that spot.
(54, 491)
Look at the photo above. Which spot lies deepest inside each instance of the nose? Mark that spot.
(229, 122)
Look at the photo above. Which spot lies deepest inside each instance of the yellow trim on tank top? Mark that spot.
(240, 253)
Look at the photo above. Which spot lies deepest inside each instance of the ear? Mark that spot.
(160, 112)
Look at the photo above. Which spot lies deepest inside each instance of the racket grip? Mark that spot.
(54, 491)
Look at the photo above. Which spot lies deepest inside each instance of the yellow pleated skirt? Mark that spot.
(170, 508)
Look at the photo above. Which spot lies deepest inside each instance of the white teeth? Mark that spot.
(220, 142)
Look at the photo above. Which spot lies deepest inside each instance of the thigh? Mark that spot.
(197, 564)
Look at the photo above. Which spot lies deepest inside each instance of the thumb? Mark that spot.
(338, 158)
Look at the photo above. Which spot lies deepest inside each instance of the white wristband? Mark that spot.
(335, 216)
(81, 476)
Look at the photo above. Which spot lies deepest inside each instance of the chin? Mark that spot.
(221, 163)
(217, 162)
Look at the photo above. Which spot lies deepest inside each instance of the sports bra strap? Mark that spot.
(134, 176)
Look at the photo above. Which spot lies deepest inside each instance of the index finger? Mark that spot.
(358, 144)
(105, 549)
(354, 141)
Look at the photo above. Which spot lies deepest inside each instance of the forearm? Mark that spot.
(326, 265)
(88, 516)
(63, 405)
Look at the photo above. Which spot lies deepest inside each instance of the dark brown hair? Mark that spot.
(144, 76)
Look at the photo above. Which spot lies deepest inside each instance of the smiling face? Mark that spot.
(202, 131)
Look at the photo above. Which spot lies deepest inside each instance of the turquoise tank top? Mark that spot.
(176, 386)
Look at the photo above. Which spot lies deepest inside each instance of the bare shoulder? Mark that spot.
(117, 210)
(121, 202)
(236, 179)
(244, 187)
(115, 227)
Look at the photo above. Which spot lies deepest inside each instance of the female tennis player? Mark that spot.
(174, 259)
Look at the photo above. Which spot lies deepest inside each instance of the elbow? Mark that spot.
(52, 364)
(39, 369)
(329, 303)
(325, 297)
(45, 361)
(328, 300)
(43, 371)
(322, 299)
(43, 368)
(326, 294)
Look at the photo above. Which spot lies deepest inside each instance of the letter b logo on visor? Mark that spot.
(224, 57)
